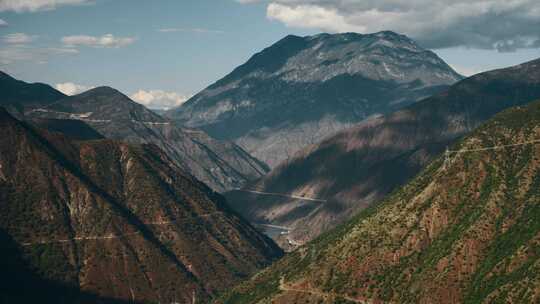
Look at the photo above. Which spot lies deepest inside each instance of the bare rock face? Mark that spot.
(302, 89)
(220, 164)
(359, 166)
(118, 221)
(465, 230)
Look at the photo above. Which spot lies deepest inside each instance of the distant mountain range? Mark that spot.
(220, 164)
(117, 221)
(359, 166)
(302, 89)
(463, 231)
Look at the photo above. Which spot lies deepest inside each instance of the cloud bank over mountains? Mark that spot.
(504, 25)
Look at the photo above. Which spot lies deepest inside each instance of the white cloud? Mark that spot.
(25, 53)
(191, 30)
(3, 23)
(159, 99)
(70, 88)
(18, 38)
(20, 6)
(311, 16)
(105, 41)
(505, 25)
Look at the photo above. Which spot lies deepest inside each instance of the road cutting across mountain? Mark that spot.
(85, 117)
(274, 226)
(532, 142)
(448, 153)
(80, 238)
(112, 236)
(284, 287)
(284, 195)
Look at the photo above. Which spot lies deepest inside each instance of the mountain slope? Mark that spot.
(18, 95)
(302, 89)
(221, 165)
(119, 221)
(463, 231)
(360, 165)
(21, 285)
(72, 128)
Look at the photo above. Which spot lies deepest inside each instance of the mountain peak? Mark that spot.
(353, 36)
(104, 104)
(347, 76)
(102, 90)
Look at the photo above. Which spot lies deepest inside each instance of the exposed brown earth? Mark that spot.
(119, 221)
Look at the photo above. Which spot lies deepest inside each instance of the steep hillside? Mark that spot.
(221, 165)
(21, 285)
(71, 128)
(463, 231)
(302, 89)
(119, 221)
(18, 95)
(359, 166)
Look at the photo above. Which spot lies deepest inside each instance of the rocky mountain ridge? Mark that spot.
(302, 89)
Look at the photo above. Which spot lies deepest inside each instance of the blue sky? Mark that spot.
(167, 50)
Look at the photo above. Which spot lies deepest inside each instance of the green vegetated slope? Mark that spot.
(464, 231)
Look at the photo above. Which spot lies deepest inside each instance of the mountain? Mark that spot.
(21, 285)
(18, 95)
(117, 221)
(466, 230)
(71, 128)
(302, 89)
(221, 165)
(359, 166)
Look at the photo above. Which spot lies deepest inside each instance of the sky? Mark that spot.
(161, 52)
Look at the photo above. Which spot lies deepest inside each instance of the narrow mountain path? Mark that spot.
(284, 195)
(113, 236)
(80, 238)
(84, 117)
(532, 142)
(284, 287)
